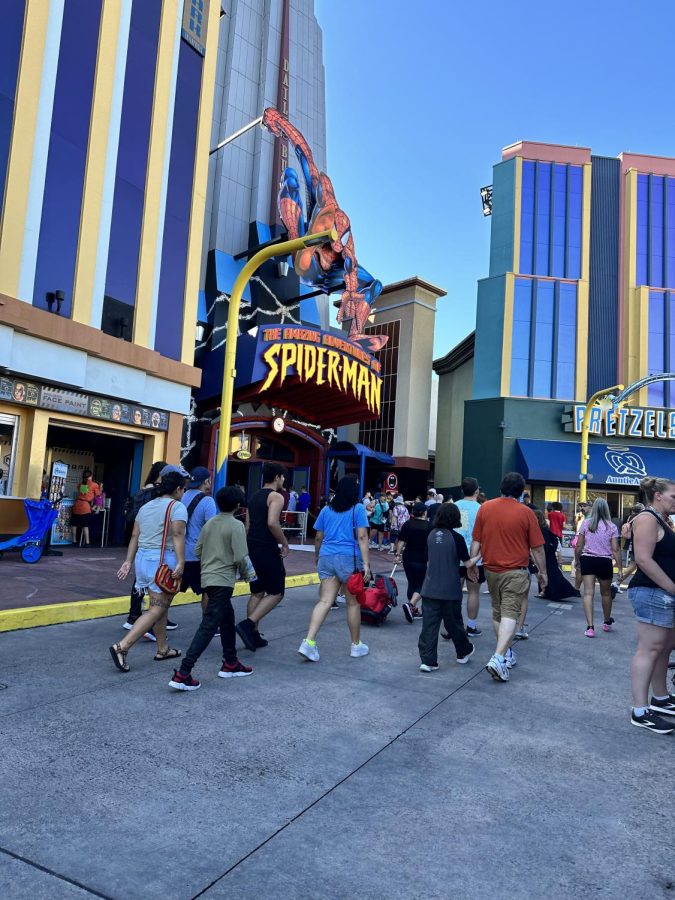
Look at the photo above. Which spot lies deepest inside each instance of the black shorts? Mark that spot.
(269, 568)
(192, 576)
(481, 574)
(80, 520)
(600, 566)
(375, 527)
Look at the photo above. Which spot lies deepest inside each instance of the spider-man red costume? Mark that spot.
(329, 265)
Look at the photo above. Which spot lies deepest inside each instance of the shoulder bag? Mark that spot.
(163, 577)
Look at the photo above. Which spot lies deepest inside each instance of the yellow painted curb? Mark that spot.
(78, 610)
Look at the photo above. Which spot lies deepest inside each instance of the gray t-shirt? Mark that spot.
(150, 520)
(445, 549)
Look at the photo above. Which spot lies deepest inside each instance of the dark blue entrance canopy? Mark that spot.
(349, 450)
(609, 464)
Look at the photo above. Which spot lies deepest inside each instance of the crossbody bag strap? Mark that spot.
(167, 522)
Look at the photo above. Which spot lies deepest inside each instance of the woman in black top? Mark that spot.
(652, 594)
(558, 587)
(411, 550)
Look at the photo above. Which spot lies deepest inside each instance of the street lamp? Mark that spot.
(605, 400)
(284, 248)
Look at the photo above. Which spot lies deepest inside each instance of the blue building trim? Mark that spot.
(502, 219)
(487, 371)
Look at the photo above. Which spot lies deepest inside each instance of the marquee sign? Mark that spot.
(628, 422)
(319, 359)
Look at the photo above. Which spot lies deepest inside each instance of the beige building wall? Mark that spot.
(413, 302)
(455, 371)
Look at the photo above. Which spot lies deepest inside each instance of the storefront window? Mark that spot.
(8, 440)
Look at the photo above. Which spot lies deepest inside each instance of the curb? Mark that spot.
(79, 610)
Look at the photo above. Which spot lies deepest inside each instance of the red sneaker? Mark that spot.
(234, 670)
(181, 682)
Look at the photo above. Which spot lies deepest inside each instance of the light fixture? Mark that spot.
(486, 199)
(200, 331)
(282, 268)
(55, 299)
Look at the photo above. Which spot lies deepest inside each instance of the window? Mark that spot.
(661, 345)
(655, 231)
(550, 219)
(520, 345)
(132, 160)
(378, 434)
(642, 228)
(543, 340)
(543, 345)
(67, 157)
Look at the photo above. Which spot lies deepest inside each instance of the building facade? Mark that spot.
(578, 298)
(105, 125)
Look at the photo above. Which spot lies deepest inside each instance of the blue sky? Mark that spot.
(422, 96)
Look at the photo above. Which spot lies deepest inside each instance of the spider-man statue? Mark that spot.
(328, 265)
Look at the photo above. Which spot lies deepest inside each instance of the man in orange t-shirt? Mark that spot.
(504, 534)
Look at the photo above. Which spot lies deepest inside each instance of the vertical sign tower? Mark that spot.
(281, 146)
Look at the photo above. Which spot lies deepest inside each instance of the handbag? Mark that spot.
(163, 577)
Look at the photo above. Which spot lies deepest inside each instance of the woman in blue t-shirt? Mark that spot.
(340, 548)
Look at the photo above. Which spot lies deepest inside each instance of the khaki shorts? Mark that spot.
(509, 591)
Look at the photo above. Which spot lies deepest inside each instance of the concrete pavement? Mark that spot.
(350, 777)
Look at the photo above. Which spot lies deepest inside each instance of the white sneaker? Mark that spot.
(359, 649)
(425, 667)
(498, 669)
(511, 659)
(341, 599)
(309, 652)
(521, 634)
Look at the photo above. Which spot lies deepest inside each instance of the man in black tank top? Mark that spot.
(264, 537)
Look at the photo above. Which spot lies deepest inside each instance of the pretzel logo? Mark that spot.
(625, 462)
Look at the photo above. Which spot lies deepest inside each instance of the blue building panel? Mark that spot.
(487, 370)
(502, 219)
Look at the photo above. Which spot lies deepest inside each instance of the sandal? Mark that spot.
(171, 653)
(119, 657)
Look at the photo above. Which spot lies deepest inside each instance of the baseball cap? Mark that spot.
(419, 509)
(179, 470)
(199, 475)
(399, 499)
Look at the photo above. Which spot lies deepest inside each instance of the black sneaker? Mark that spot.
(247, 632)
(473, 632)
(260, 640)
(408, 612)
(467, 656)
(663, 707)
(170, 626)
(652, 722)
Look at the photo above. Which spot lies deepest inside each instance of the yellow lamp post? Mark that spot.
(606, 394)
(284, 248)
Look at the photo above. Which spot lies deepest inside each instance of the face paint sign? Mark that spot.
(319, 358)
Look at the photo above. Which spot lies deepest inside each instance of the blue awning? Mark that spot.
(352, 450)
(615, 464)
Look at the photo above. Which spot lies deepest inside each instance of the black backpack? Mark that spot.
(133, 504)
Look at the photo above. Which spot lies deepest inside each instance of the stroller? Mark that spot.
(41, 515)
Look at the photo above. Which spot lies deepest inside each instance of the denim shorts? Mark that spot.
(337, 565)
(146, 565)
(653, 606)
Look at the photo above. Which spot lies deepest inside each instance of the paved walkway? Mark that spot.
(347, 778)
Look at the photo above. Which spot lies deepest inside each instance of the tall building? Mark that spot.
(579, 296)
(105, 127)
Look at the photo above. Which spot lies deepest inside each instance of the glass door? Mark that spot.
(9, 428)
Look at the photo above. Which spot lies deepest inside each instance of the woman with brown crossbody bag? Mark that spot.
(157, 549)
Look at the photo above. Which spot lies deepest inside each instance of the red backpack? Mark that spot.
(377, 601)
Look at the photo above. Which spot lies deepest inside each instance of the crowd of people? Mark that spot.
(182, 538)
